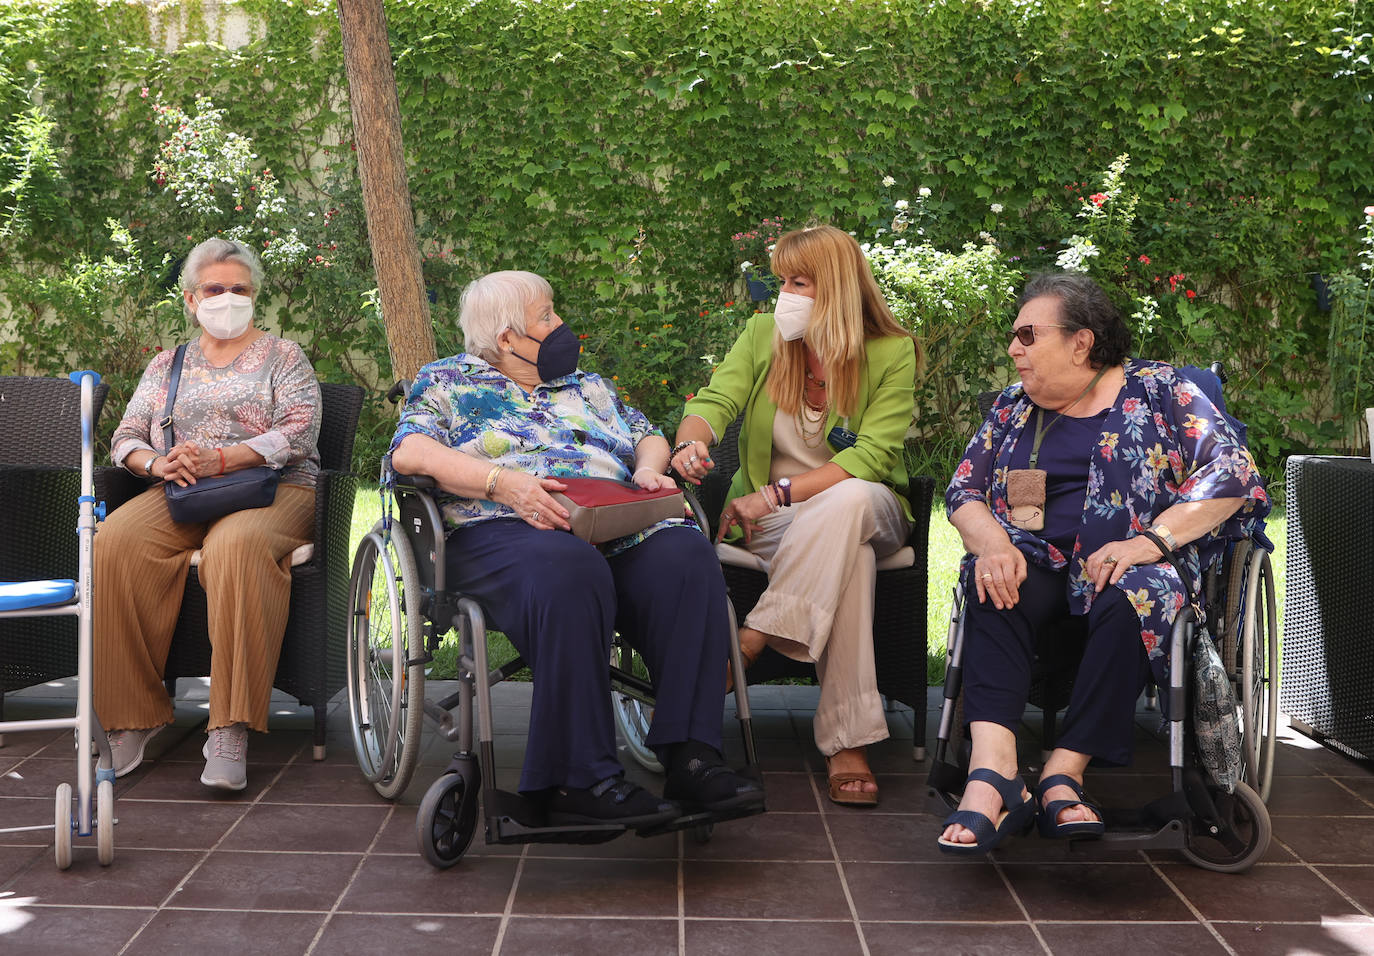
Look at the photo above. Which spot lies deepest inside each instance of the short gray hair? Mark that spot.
(211, 252)
(496, 302)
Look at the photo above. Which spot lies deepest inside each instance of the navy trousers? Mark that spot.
(558, 599)
(1000, 649)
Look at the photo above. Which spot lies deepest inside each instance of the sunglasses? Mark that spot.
(1026, 333)
(211, 289)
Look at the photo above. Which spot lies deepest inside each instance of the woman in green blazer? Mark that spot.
(825, 385)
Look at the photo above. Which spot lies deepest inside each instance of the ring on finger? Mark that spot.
(534, 515)
(1110, 560)
(987, 575)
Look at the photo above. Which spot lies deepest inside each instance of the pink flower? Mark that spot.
(144, 93)
(1145, 260)
(1369, 210)
(1098, 198)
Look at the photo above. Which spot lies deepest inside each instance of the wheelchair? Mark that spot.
(1215, 830)
(400, 610)
(65, 597)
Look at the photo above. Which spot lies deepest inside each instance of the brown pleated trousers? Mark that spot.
(142, 558)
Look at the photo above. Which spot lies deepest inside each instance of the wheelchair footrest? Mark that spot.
(514, 818)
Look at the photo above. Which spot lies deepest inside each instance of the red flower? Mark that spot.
(730, 303)
(1191, 294)
(1098, 198)
(1145, 260)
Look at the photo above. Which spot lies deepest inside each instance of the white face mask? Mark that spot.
(792, 315)
(225, 316)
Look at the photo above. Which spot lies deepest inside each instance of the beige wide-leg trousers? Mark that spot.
(818, 607)
(142, 558)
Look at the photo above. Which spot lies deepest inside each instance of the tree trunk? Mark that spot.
(386, 194)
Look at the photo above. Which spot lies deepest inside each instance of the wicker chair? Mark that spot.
(311, 667)
(40, 479)
(899, 611)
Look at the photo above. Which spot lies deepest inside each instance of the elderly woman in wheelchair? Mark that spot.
(1087, 477)
(495, 428)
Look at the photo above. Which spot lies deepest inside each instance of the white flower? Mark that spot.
(745, 266)
(923, 192)
(996, 208)
(889, 182)
(901, 204)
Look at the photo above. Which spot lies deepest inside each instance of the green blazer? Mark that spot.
(883, 409)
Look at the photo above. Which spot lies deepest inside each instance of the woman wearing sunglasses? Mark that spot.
(245, 398)
(825, 384)
(1082, 475)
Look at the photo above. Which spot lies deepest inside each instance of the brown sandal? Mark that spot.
(852, 798)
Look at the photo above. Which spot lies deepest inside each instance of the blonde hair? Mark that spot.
(849, 310)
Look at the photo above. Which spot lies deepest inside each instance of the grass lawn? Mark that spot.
(945, 552)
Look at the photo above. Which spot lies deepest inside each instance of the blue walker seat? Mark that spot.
(28, 594)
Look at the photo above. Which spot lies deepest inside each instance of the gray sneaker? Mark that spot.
(126, 748)
(226, 758)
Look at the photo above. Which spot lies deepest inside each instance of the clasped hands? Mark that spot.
(998, 574)
(188, 461)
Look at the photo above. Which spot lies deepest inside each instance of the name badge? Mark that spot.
(841, 438)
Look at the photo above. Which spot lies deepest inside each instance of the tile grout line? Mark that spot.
(206, 855)
(681, 894)
(1025, 913)
(1197, 913)
(510, 902)
(353, 878)
(839, 870)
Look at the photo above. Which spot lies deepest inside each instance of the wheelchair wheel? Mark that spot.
(62, 827)
(386, 678)
(1251, 647)
(1245, 840)
(632, 715)
(446, 820)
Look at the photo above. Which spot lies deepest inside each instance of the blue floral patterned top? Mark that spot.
(573, 426)
(1163, 442)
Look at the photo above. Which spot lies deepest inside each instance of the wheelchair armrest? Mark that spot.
(417, 482)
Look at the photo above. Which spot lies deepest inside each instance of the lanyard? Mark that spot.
(1041, 428)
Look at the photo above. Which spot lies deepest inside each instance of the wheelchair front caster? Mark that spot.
(447, 819)
(1243, 839)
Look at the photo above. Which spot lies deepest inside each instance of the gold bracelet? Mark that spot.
(492, 477)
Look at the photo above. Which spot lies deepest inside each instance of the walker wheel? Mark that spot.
(104, 821)
(62, 827)
(446, 820)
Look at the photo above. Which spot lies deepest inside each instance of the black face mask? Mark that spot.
(557, 355)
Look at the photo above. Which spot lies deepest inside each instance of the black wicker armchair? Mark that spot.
(311, 667)
(899, 611)
(40, 479)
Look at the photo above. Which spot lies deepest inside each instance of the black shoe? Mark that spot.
(613, 800)
(704, 782)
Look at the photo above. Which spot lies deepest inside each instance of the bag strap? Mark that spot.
(1172, 558)
(172, 383)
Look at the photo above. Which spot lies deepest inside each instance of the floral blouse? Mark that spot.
(574, 426)
(267, 398)
(1163, 442)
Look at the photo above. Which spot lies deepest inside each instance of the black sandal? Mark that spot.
(1047, 816)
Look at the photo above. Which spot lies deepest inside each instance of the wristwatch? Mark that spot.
(1167, 535)
(784, 486)
(148, 465)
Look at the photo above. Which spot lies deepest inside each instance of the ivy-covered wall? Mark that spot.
(618, 148)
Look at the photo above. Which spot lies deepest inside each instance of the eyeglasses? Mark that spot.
(211, 289)
(1026, 333)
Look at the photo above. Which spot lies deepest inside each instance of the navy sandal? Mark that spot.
(1017, 816)
(1048, 816)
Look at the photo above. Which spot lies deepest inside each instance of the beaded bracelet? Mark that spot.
(681, 445)
(774, 504)
(492, 476)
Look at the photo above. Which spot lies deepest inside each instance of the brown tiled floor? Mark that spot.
(310, 860)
